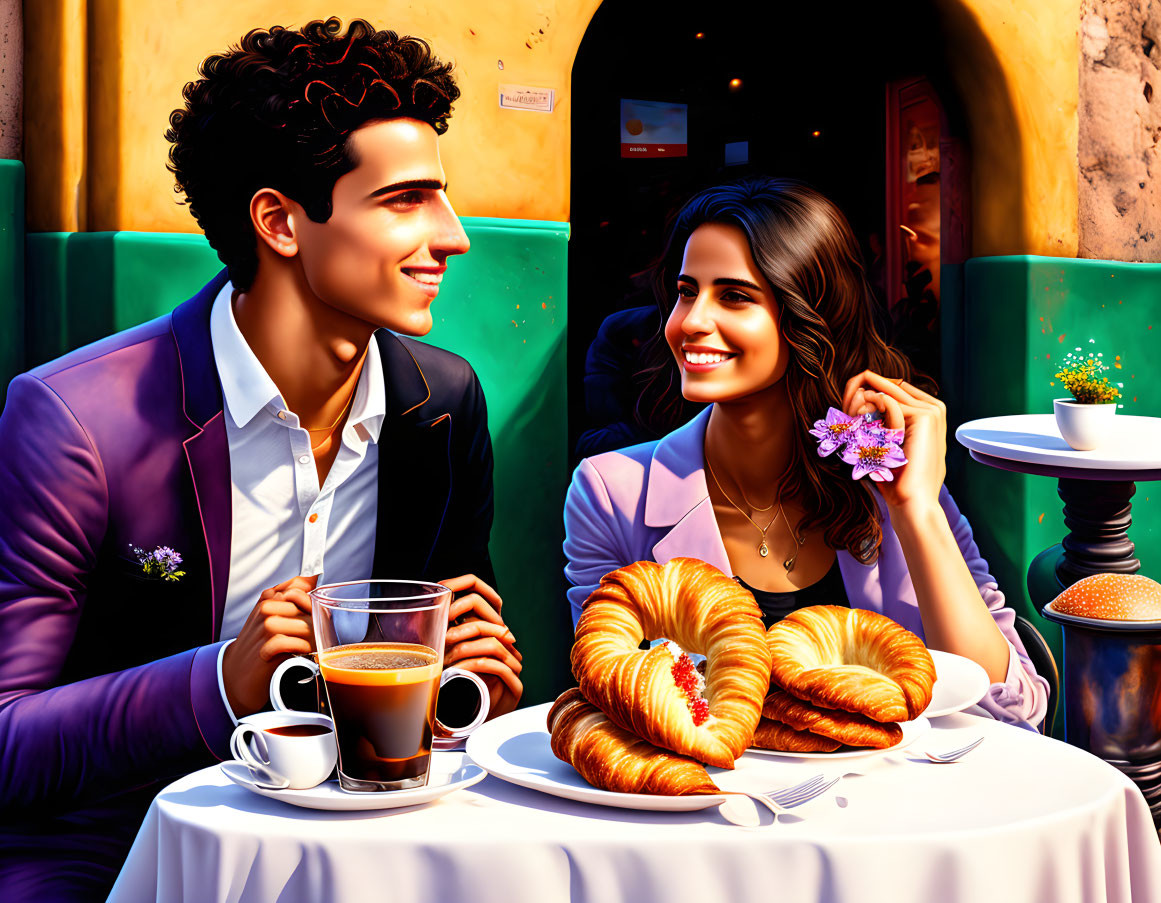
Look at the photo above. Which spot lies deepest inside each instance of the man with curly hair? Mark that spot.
(185, 483)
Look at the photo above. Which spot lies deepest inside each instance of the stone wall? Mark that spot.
(11, 80)
(1119, 156)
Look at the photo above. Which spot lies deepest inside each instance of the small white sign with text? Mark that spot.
(520, 97)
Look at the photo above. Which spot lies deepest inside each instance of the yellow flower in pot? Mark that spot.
(1085, 419)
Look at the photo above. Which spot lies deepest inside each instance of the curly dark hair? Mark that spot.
(277, 112)
(805, 248)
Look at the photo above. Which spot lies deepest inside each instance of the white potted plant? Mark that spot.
(1086, 419)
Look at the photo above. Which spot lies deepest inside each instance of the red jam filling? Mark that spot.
(686, 677)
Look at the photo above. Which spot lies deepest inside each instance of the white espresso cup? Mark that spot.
(286, 750)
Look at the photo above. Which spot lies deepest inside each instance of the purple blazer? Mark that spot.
(108, 681)
(649, 502)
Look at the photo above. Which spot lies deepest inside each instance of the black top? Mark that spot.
(775, 606)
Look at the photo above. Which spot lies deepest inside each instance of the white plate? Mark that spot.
(516, 748)
(450, 771)
(912, 731)
(959, 683)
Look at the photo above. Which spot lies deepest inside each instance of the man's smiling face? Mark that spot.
(382, 254)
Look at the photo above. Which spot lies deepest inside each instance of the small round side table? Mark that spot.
(1112, 700)
(1095, 486)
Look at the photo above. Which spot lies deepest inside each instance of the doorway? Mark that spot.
(798, 91)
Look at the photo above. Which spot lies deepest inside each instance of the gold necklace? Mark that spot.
(330, 429)
(763, 549)
(798, 541)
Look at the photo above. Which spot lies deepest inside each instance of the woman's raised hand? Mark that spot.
(923, 419)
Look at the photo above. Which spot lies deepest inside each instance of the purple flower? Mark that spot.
(834, 432)
(874, 451)
(166, 557)
(877, 431)
(162, 563)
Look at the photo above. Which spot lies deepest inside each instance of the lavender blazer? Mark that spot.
(108, 681)
(649, 502)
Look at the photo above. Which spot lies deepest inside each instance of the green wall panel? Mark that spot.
(11, 272)
(1017, 319)
(502, 306)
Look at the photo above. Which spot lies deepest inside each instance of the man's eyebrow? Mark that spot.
(413, 183)
(745, 283)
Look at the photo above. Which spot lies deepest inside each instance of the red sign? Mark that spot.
(654, 150)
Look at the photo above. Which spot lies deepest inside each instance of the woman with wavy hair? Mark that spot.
(767, 316)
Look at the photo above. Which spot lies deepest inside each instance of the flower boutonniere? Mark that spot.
(863, 441)
(160, 564)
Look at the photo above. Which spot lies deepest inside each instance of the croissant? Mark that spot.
(778, 736)
(852, 659)
(611, 758)
(845, 727)
(654, 696)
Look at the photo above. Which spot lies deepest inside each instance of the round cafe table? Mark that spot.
(1095, 486)
(1021, 818)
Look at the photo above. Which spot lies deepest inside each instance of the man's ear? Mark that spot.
(272, 214)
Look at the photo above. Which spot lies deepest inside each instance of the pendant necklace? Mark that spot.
(763, 549)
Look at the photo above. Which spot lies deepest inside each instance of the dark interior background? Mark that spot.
(804, 67)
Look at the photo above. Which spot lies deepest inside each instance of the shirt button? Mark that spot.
(282, 415)
(304, 459)
(313, 518)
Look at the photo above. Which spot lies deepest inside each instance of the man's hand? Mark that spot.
(279, 625)
(479, 641)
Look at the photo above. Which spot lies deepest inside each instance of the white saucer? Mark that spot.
(450, 771)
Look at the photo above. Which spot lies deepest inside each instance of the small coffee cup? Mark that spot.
(286, 750)
(464, 715)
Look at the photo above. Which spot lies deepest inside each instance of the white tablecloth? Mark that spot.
(1023, 818)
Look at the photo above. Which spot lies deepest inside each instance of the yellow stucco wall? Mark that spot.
(1016, 64)
(507, 163)
(95, 149)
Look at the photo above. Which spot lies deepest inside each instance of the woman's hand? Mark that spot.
(923, 419)
(479, 641)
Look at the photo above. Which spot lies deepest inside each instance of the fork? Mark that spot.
(954, 755)
(804, 792)
(781, 801)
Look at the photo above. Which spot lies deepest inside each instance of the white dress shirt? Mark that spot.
(283, 523)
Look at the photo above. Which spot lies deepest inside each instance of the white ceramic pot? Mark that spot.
(1084, 426)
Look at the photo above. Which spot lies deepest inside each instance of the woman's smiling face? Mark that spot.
(723, 330)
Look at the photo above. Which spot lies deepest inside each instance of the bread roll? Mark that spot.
(1112, 597)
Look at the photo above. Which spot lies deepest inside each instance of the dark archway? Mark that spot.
(811, 105)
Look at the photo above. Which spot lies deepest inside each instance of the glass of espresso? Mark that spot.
(380, 654)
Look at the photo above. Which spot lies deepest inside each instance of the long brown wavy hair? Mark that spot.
(805, 248)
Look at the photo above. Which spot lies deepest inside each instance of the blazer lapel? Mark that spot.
(207, 449)
(415, 478)
(677, 497)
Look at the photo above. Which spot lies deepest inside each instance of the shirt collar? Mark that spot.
(370, 405)
(247, 388)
